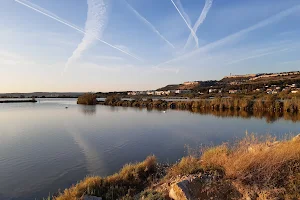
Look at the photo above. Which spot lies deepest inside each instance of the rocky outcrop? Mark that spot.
(203, 186)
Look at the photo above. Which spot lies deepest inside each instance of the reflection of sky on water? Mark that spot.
(88, 110)
(94, 161)
(54, 147)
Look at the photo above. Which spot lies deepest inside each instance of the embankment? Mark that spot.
(253, 168)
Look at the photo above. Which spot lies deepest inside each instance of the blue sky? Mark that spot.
(114, 45)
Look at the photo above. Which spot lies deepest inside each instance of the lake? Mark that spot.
(45, 146)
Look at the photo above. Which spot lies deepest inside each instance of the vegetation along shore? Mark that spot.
(252, 168)
(269, 103)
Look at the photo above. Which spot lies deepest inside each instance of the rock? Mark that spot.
(203, 186)
(296, 138)
(91, 198)
(180, 191)
(250, 149)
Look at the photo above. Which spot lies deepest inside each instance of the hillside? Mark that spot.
(192, 86)
(240, 81)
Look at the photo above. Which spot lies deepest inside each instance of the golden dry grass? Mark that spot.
(132, 179)
(187, 165)
(262, 164)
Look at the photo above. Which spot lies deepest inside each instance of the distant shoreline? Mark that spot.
(39, 97)
(19, 101)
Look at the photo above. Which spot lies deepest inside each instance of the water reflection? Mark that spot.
(94, 159)
(88, 110)
(270, 117)
(114, 108)
(63, 145)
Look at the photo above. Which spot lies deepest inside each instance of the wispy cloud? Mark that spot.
(8, 58)
(125, 48)
(188, 25)
(104, 68)
(237, 35)
(54, 17)
(109, 58)
(201, 19)
(154, 29)
(94, 27)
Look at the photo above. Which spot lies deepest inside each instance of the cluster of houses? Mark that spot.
(269, 75)
(221, 91)
(158, 93)
(263, 75)
(253, 77)
(273, 89)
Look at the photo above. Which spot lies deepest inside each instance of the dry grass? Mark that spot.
(187, 165)
(263, 164)
(132, 178)
(269, 103)
(256, 167)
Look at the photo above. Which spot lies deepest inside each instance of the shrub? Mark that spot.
(112, 100)
(87, 99)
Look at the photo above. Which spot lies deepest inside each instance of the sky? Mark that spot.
(122, 45)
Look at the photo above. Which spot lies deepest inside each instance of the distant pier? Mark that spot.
(19, 101)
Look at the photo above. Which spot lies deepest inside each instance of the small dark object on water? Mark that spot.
(66, 107)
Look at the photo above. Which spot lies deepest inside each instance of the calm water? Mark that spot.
(44, 146)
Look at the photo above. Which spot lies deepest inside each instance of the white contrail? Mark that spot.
(94, 27)
(180, 7)
(201, 19)
(35, 8)
(192, 32)
(256, 56)
(237, 35)
(149, 24)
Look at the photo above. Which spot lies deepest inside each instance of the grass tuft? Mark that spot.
(187, 165)
(132, 179)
